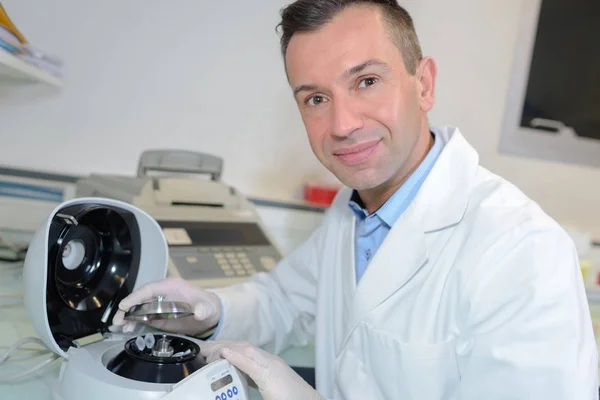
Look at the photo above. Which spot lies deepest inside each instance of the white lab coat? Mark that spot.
(474, 294)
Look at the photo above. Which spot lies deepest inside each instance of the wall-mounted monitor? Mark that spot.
(553, 108)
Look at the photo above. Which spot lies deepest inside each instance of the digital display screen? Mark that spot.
(221, 383)
(219, 233)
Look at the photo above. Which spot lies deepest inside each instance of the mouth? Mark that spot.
(357, 154)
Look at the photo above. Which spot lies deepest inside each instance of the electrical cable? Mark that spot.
(13, 295)
(20, 343)
(30, 371)
(8, 354)
(32, 353)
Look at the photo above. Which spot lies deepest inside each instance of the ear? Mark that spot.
(426, 75)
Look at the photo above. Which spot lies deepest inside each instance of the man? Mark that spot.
(430, 277)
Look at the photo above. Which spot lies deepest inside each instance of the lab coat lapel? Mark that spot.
(399, 257)
(440, 203)
(348, 274)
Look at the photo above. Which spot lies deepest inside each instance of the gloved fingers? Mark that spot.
(144, 294)
(212, 350)
(249, 366)
(115, 328)
(259, 356)
(129, 327)
(118, 319)
(204, 310)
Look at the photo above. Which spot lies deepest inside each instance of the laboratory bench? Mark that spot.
(15, 325)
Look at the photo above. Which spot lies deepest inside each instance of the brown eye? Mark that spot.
(368, 82)
(315, 100)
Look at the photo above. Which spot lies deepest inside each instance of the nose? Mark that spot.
(345, 119)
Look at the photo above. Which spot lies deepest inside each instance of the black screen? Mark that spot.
(564, 80)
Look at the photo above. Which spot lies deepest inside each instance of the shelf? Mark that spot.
(13, 68)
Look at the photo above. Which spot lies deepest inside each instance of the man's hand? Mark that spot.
(207, 307)
(272, 376)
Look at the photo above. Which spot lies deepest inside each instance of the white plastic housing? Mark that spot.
(153, 263)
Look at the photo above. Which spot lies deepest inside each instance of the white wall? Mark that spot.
(207, 75)
(473, 42)
(201, 75)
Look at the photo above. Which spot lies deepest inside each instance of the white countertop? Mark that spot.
(15, 325)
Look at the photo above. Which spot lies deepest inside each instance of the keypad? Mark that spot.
(268, 262)
(234, 262)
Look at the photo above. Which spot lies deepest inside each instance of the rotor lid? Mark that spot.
(159, 309)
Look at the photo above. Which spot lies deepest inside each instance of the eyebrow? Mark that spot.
(303, 88)
(357, 69)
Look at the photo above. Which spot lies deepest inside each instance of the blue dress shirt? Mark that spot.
(372, 229)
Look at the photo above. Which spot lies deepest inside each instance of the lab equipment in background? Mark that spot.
(10, 251)
(87, 256)
(320, 194)
(215, 235)
(27, 197)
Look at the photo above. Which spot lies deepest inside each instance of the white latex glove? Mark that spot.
(270, 374)
(207, 307)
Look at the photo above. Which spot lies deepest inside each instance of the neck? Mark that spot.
(374, 198)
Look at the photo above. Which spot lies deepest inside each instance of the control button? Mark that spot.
(241, 255)
(238, 249)
(240, 272)
(238, 267)
(247, 264)
(219, 255)
(251, 271)
(230, 393)
(216, 249)
(223, 396)
(268, 262)
(203, 249)
(235, 390)
(191, 260)
(225, 267)
(222, 263)
(235, 264)
(229, 272)
(230, 255)
(218, 397)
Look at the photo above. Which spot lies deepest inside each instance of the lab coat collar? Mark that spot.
(440, 203)
(442, 200)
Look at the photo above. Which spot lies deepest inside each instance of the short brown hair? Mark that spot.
(310, 15)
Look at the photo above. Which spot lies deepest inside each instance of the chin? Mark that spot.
(359, 181)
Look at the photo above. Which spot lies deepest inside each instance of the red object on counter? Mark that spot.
(319, 194)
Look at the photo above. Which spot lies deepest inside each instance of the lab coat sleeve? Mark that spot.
(277, 309)
(527, 329)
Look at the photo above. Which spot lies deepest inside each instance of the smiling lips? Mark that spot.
(356, 154)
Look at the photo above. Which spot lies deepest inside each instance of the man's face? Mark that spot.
(362, 110)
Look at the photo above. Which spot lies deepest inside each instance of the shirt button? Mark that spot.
(368, 254)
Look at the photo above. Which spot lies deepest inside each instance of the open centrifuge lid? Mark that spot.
(87, 256)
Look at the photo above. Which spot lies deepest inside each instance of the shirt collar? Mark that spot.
(391, 210)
